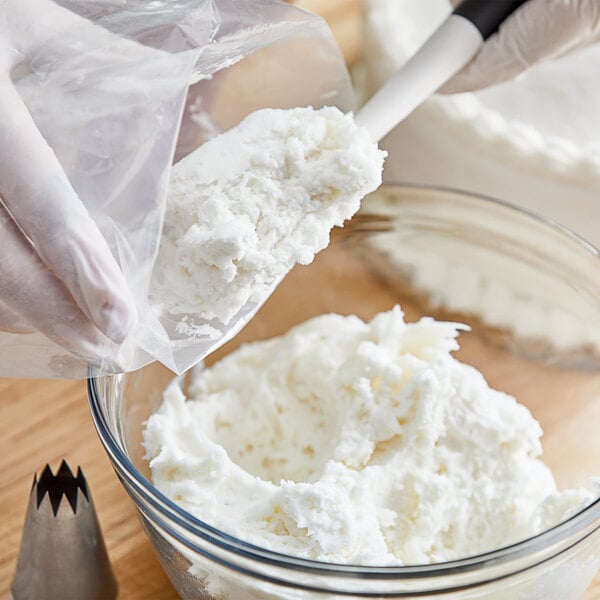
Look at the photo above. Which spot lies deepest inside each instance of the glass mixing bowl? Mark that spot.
(530, 292)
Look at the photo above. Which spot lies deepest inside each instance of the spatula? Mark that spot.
(444, 53)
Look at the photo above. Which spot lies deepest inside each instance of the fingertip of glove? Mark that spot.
(470, 78)
(117, 319)
(451, 87)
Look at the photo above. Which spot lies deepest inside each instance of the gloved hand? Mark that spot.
(57, 274)
(537, 30)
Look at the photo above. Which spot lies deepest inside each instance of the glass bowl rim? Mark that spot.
(576, 523)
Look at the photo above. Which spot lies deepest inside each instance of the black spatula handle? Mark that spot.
(487, 15)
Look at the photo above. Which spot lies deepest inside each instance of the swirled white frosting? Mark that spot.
(353, 442)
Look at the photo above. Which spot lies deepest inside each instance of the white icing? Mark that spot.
(557, 97)
(354, 442)
(250, 203)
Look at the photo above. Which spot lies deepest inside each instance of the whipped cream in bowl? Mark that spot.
(362, 438)
(351, 442)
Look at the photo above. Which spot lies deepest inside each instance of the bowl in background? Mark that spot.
(530, 291)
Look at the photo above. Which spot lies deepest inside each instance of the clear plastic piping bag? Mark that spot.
(156, 80)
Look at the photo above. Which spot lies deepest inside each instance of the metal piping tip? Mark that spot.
(62, 551)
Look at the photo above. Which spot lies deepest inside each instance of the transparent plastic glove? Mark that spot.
(57, 274)
(536, 31)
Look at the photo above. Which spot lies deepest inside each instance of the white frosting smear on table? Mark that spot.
(352, 442)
